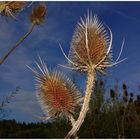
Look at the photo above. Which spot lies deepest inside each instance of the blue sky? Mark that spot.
(122, 17)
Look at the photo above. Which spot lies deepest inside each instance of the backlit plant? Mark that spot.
(56, 93)
(90, 52)
(37, 17)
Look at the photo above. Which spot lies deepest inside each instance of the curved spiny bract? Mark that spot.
(56, 93)
(91, 44)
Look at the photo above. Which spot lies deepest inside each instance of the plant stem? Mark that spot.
(17, 44)
(72, 120)
(85, 107)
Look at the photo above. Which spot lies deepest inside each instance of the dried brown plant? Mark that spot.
(56, 93)
(37, 17)
(90, 53)
(38, 14)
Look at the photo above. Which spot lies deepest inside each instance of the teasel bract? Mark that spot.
(90, 52)
(10, 8)
(56, 93)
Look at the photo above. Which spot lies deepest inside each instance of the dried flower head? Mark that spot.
(9, 8)
(57, 94)
(91, 46)
(38, 14)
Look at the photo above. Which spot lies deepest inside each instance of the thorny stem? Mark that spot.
(17, 44)
(85, 107)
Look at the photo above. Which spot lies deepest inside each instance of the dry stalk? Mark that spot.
(85, 107)
(17, 44)
(37, 17)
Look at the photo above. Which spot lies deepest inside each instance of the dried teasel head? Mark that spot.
(56, 93)
(10, 8)
(91, 46)
(90, 43)
(38, 14)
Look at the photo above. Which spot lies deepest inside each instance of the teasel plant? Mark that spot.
(56, 93)
(37, 17)
(90, 53)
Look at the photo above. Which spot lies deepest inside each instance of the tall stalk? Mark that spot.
(37, 17)
(90, 51)
(17, 44)
(85, 107)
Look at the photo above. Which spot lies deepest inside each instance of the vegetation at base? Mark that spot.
(115, 117)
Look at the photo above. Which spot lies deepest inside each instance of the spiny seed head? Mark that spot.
(8, 8)
(56, 93)
(38, 14)
(90, 44)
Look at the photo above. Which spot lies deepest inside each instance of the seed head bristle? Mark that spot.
(56, 93)
(90, 43)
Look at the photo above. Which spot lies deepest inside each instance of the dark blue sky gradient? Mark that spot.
(122, 17)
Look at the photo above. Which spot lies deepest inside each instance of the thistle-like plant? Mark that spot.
(56, 93)
(37, 17)
(90, 52)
